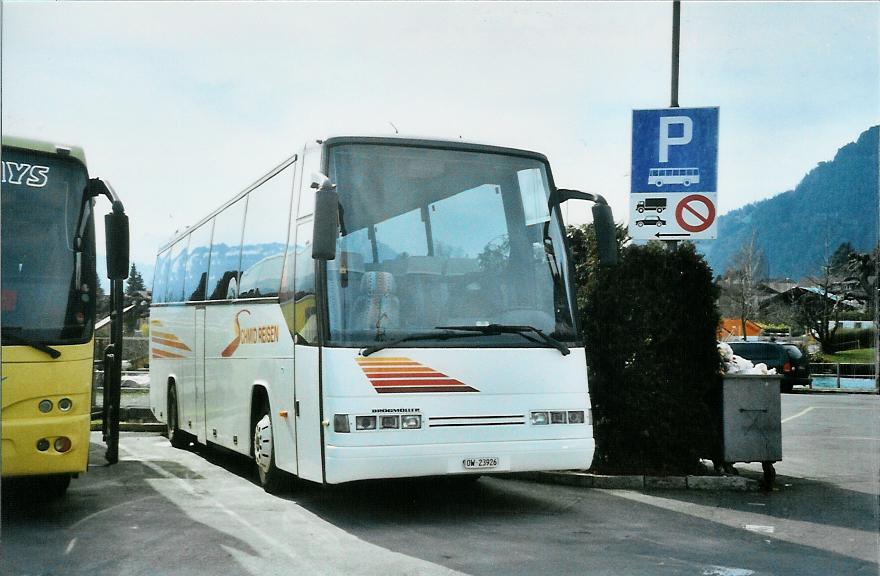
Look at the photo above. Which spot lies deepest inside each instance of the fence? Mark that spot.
(843, 376)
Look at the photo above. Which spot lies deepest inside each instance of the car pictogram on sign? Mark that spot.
(651, 220)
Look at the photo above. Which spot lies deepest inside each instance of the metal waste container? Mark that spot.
(752, 421)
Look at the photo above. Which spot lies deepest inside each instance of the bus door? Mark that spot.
(199, 424)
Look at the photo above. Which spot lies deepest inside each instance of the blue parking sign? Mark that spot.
(674, 150)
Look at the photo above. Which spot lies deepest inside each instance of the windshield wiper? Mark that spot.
(413, 338)
(10, 334)
(496, 329)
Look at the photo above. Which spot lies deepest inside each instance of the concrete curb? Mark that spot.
(135, 427)
(636, 482)
(833, 391)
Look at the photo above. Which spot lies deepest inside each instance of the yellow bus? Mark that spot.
(48, 284)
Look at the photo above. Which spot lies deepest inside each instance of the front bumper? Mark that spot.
(346, 464)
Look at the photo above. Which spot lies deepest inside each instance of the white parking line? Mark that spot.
(191, 491)
(851, 542)
(801, 413)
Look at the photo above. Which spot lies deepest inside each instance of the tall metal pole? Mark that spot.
(671, 245)
(676, 38)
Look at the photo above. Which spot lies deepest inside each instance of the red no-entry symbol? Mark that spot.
(695, 213)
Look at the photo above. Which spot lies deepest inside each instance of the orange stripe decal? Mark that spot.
(158, 353)
(405, 376)
(171, 343)
(166, 335)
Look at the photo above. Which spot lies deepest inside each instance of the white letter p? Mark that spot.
(666, 140)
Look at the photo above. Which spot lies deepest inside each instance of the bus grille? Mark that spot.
(459, 421)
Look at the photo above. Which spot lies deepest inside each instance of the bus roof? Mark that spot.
(458, 144)
(395, 139)
(45, 147)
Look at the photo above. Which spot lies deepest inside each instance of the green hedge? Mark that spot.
(649, 325)
(848, 338)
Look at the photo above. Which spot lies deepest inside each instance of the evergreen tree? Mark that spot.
(134, 285)
(135, 282)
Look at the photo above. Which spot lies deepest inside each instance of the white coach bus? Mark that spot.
(376, 308)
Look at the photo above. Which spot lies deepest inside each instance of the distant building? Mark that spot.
(731, 329)
(852, 324)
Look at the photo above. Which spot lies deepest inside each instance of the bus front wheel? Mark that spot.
(55, 486)
(264, 453)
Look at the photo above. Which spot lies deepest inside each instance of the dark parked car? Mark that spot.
(800, 365)
(788, 360)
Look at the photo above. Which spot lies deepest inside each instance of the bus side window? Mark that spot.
(197, 263)
(176, 271)
(160, 277)
(223, 272)
(265, 236)
(298, 304)
(311, 164)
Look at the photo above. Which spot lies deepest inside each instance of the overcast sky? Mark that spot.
(181, 105)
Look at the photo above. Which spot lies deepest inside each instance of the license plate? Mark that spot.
(472, 463)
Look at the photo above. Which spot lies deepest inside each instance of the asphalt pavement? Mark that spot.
(166, 511)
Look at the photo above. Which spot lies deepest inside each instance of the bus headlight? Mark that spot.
(62, 444)
(576, 417)
(411, 421)
(45, 406)
(540, 418)
(42, 444)
(340, 423)
(389, 422)
(65, 404)
(557, 417)
(365, 422)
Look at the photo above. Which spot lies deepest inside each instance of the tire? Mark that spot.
(264, 453)
(640, 224)
(54, 487)
(176, 436)
(786, 387)
(659, 183)
(687, 183)
(660, 222)
(640, 209)
(660, 209)
(769, 476)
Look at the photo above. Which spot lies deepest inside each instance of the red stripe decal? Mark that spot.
(426, 382)
(386, 375)
(405, 390)
(402, 375)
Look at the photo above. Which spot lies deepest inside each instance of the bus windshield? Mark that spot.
(436, 237)
(41, 203)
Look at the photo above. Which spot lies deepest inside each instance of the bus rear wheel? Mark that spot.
(175, 435)
(264, 453)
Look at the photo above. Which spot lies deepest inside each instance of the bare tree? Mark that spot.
(820, 308)
(740, 282)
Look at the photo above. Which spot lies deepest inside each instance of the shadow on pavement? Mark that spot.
(117, 522)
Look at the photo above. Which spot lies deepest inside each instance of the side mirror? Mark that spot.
(606, 234)
(116, 230)
(603, 222)
(326, 223)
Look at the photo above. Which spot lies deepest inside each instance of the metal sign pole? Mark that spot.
(671, 245)
(676, 37)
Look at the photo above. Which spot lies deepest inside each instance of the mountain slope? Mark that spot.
(836, 202)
